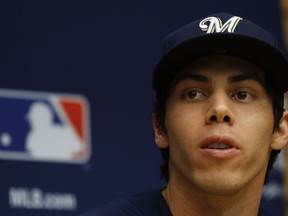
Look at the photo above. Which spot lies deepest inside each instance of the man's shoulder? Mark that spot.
(150, 203)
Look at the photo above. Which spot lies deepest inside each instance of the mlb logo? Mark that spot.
(47, 127)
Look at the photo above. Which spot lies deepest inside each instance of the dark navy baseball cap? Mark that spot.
(222, 34)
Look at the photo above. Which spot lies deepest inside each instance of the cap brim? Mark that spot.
(270, 60)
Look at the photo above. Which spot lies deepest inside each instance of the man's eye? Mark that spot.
(194, 94)
(242, 95)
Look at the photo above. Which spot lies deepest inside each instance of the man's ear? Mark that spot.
(281, 135)
(160, 136)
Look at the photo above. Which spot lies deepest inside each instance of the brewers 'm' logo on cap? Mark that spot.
(220, 33)
(215, 25)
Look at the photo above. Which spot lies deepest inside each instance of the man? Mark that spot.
(218, 120)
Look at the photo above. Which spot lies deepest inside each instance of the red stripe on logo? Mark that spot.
(75, 112)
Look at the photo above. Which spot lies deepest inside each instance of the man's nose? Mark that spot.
(219, 109)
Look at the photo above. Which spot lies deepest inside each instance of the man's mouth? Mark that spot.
(218, 142)
(218, 146)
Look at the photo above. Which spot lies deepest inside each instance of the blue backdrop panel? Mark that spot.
(105, 52)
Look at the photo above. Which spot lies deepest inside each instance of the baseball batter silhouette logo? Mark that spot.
(47, 127)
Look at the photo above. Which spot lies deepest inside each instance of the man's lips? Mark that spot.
(220, 147)
(218, 142)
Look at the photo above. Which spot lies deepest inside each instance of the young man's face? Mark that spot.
(219, 122)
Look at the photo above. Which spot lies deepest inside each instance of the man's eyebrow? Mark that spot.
(190, 76)
(232, 79)
(246, 76)
(193, 76)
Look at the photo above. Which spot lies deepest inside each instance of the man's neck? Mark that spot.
(183, 202)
